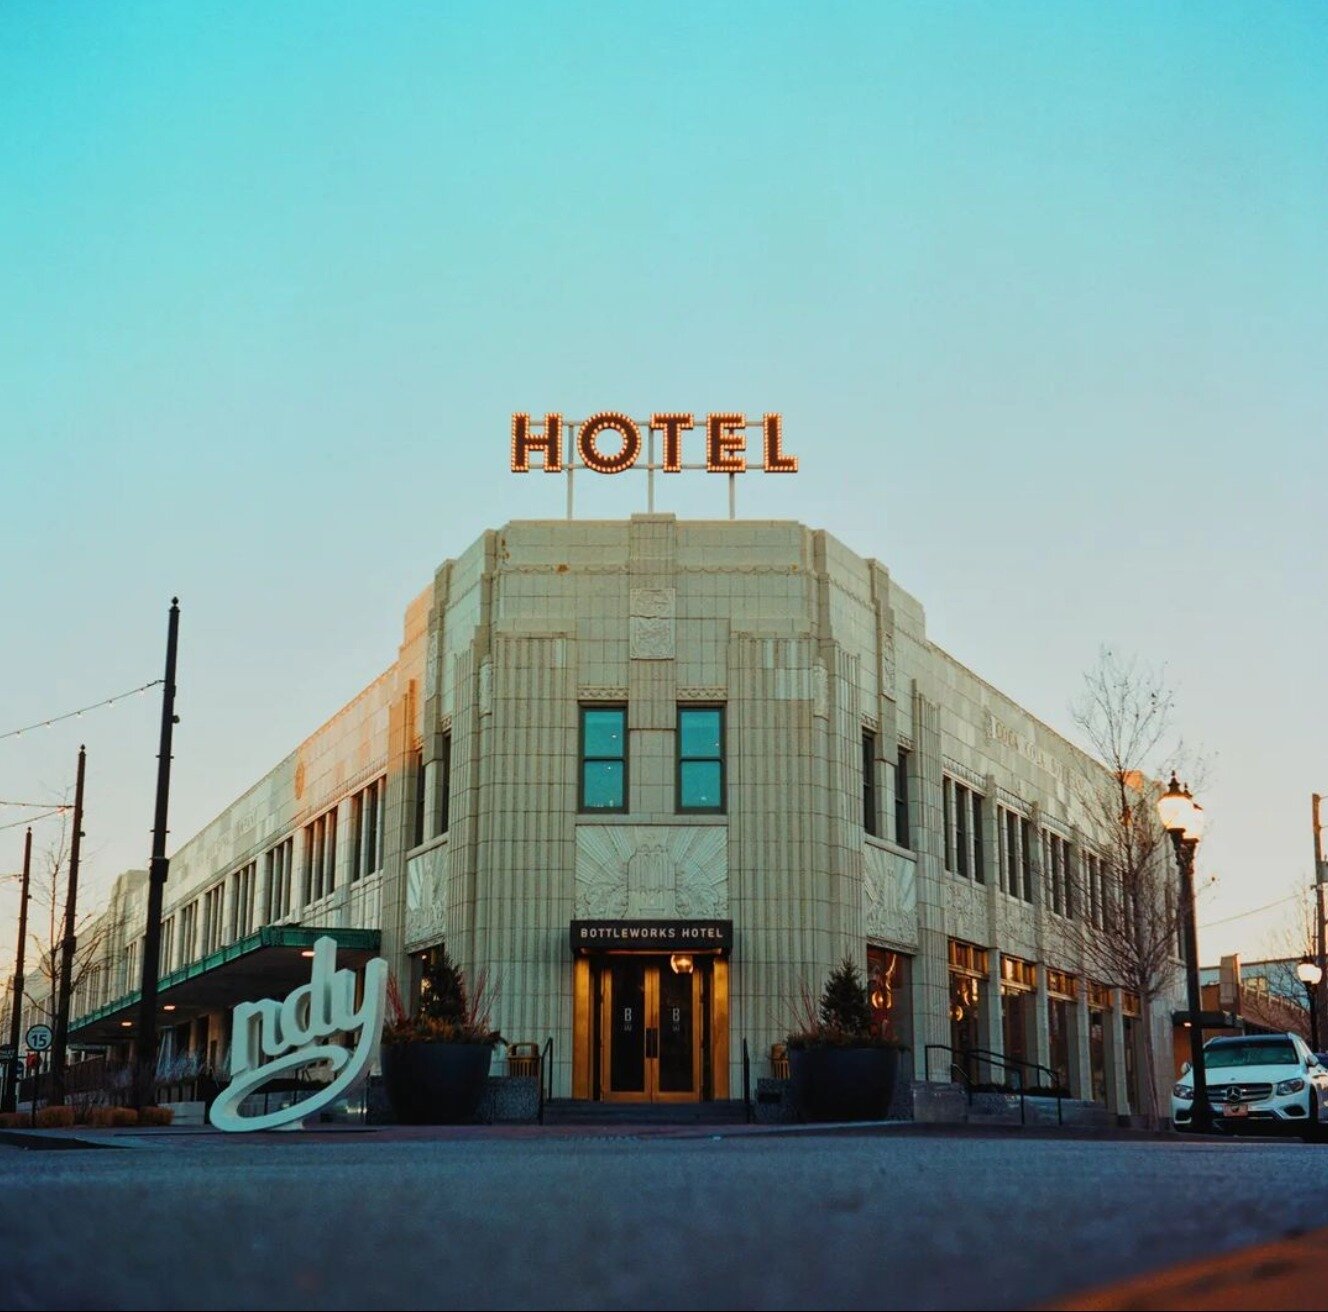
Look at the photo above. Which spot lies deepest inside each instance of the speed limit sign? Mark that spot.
(39, 1038)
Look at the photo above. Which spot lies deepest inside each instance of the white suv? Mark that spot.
(1258, 1082)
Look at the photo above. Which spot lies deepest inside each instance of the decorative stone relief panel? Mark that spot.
(486, 687)
(889, 895)
(431, 666)
(965, 912)
(644, 871)
(426, 898)
(1017, 929)
(652, 630)
(820, 691)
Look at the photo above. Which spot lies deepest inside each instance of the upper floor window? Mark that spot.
(962, 816)
(901, 799)
(700, 758)
(869, 820)
(603, 782)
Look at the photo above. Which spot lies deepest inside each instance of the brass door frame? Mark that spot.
(652, 1092)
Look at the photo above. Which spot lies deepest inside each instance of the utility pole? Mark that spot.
(1320, 874)
(10, 1100)
(145, 1074)
(66, 990)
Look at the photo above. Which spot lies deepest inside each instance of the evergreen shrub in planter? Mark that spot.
(436, 1062)
(841, 1067)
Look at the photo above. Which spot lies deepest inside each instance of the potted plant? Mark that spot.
(436, 1062)
(841, 1066)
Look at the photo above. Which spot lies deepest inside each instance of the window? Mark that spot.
(420, 790)
(277, 900)
(700, 758)
(979, 865)
(212, 926)
(1056, 865)
(603, 783)
(901, 799)
(242, 901)
(365, 826)
(320, 856)
(444, 785)
(869, 822)
(947, 822)
(962, 816)
(961, 827)
(166, 952)
(1026, 857)
(188, 930)
(889, 990)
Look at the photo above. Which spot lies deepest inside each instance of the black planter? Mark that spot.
(435, 1083)
(843, 1084)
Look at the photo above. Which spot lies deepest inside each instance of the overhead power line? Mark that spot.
(82, 710)
(1240, 915)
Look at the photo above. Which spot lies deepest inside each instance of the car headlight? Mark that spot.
(1291, 1086)
(1183, 1092)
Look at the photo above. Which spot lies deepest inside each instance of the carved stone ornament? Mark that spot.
(654, 603)
(651, 639)
(964, 918)
(486, 688)
(426, 897)
(431, 666)
(889, 896)
(645, 871)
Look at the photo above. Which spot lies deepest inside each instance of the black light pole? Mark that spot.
(67, 946)
(10, 1100)
(145, 1075)
(1182, 818)
(1309, 974)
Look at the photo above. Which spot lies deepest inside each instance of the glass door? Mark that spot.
(651, 1032)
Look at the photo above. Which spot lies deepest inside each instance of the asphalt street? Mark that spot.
(871, 1220)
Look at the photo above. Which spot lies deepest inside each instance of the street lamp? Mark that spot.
(1183, 818)
(1309, 974)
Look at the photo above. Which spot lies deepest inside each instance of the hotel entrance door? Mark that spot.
(651, 1031)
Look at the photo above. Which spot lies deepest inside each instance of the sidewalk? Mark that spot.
(84, 1137)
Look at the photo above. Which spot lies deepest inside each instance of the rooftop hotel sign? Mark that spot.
(613, 443)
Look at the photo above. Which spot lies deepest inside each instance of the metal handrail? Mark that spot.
(987, 1055)
(746, 1081)
(545, 1075)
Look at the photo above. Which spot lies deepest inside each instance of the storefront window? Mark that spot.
(1058, 1034)
(889, 988)
(965, 1027)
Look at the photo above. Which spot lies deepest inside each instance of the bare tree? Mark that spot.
(1126, 923)
(1294, 940)
(46, 925)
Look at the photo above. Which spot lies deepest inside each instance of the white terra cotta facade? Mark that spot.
(477, 726)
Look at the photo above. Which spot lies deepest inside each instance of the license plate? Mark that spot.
(1238, 1110)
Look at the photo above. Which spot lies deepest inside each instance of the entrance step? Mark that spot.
(577, 1111)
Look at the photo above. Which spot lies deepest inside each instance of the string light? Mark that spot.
(726, 434)
(673, 427)
(73, 715)
(590, 454)
(550, 442)
(32, 819)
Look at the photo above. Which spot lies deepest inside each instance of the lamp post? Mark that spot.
(1182, 817)
(1309, 974)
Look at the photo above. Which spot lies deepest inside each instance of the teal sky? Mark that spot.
(1040, 289)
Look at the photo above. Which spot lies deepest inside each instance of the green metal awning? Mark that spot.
(266, 964)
